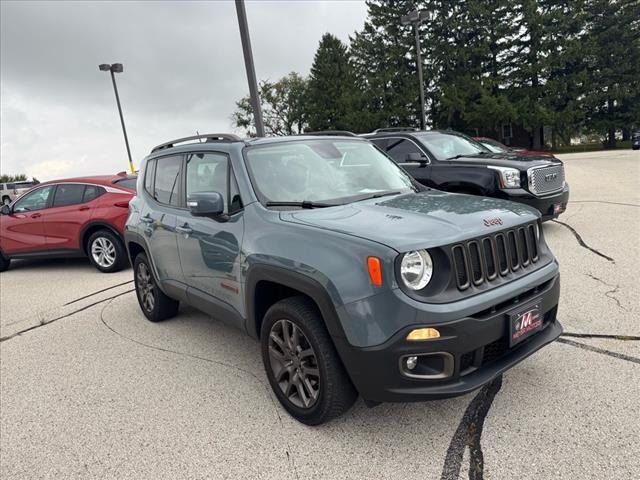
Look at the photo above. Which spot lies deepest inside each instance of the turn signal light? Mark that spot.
(375, 271)
(423, 334)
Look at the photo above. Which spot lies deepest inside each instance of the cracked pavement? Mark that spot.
(91, 389)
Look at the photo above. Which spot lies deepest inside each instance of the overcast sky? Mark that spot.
(183, 71)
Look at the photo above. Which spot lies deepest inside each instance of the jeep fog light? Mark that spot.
(416, 269)
(412, 362)
(423, 334)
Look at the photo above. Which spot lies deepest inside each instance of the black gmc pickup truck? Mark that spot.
(454, 162)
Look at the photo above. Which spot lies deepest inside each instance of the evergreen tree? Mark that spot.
(613, 64)
(330, 87)
(383, 59)
(468, 63)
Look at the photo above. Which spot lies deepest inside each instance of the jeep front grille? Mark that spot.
(543, 180)
(482, 260)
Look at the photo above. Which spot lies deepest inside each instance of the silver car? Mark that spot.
(10, 191)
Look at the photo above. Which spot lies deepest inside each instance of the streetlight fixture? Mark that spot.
(118, 68)
(415, 18)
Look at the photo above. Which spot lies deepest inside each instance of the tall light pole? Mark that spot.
(251, 71)
(415, 18)
(117, 68)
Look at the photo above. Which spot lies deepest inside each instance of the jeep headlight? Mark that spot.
(509, 177)
(416, 269)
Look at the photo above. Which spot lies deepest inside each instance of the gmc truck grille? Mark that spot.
(543, 180)
(482, 260)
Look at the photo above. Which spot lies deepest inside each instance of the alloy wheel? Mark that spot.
(103, 252)
(294, 364)
(145, 287)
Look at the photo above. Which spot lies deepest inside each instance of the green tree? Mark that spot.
(329, 101)
(20, 177)
(383, 59)
(612, 41)
(468, 48)
(282, 105)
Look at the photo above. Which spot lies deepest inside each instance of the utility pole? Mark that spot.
(118, 68)
(251, 71)
(415, 18)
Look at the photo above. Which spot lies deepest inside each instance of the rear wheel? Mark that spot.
(155, 305)
(302, 364)
(106, 251)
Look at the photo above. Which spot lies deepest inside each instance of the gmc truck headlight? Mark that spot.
(416, 269)
(509, 177)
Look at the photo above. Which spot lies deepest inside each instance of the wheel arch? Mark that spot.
(92, 227)
(268, 284)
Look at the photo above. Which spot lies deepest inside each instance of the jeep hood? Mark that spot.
(417, 220)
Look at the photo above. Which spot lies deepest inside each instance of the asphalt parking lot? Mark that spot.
(90, 389)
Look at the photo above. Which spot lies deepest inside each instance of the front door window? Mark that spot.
(36, 200)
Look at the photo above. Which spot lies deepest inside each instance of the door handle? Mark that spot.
(83, 208)
(185, 229)
(36, 215)
(146, 219)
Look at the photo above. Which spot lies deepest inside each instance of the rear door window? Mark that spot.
(68, 194)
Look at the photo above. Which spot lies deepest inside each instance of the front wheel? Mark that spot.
(301, 363)
(106, 251)
(155, 305)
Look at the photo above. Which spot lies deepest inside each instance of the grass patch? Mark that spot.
(592, 147)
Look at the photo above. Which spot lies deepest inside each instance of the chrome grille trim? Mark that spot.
(547, 179)
(481, 260)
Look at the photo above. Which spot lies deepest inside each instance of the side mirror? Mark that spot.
(5, 210)
(416, 157)
(206, 204)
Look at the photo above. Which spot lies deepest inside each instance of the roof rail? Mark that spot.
(341, 133)
(395, 129)
(208, 137)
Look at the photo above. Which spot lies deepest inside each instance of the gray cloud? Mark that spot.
(183, 72)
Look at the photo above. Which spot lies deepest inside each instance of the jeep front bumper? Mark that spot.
(471, 351)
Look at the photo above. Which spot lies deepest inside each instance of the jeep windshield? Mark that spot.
(449, 146)
(322, 172)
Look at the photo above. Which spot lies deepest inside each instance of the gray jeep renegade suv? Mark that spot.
(355, 278)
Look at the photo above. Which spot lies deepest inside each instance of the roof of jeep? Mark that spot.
(197, 143)
(291, 138)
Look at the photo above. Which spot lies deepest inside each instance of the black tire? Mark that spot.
(160, 307)
(114, 256)
(4, 263)
(335, 392)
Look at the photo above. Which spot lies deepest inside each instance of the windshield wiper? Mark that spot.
(303, 204)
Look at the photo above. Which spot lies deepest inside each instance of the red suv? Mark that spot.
(68, 218)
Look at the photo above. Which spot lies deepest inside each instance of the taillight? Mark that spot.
(122, 204)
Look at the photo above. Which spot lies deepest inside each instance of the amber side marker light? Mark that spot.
(423, 334)
(375, 271)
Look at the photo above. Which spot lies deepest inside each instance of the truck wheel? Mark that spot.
(106, 251)
(155, 305)
(302, 364)
(4, 263)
